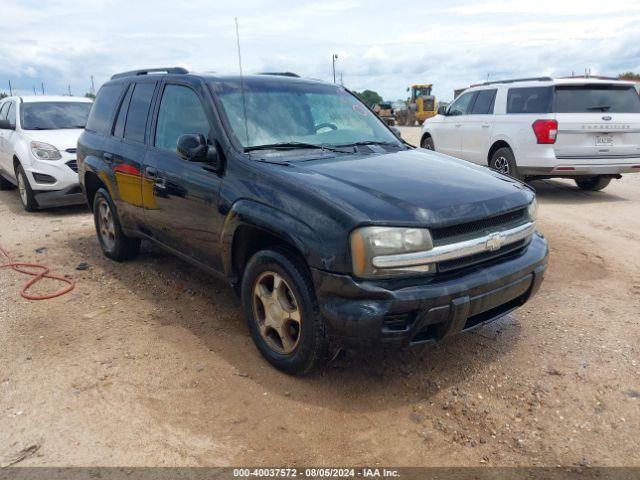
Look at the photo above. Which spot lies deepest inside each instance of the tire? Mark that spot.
(504, 161)
(5, 184)
(427, 142)
(115, 244)
(593, 184)
(293, 343)
(27, 196)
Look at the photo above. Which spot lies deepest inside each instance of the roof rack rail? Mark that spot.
(281, 74)
(513, 80)
(146, 71)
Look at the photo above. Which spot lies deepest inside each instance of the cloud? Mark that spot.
(383, 48)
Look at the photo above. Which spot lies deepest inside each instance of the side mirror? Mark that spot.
(396, 131)
(5, 125)
(193, 147)
(442, 110)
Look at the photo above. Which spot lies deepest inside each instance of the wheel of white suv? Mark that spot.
(27, 197)
(593, 184)
(115, 244)
(427, 142)
(282, 313)
(504, 161)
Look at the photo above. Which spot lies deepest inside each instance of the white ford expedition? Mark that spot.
(585, 129)
(38, 138)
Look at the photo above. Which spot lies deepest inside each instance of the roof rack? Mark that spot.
(513, 80)
(146, 71)
(281, 74)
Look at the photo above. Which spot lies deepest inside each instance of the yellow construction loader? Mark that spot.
(419, 106)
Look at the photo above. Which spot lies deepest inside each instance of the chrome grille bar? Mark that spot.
(487, 243)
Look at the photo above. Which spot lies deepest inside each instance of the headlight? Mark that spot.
(532, 209)
(370, 242)
(44, 151)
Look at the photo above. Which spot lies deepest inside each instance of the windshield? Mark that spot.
(279, 112)
(597, 98)
(54, 115)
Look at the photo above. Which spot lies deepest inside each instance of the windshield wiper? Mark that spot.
(603, 108)
(369, 142)
(292, 146)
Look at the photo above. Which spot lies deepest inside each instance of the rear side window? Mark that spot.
(530, 100)
(484, 102)
(139, 111)
(181, 112)
(597, 98)
(3, 110)
(102, 111)
(118, 129)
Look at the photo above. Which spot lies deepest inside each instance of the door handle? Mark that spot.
(151, 172)
(108, 157)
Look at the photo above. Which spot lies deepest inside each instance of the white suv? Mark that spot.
(586, 129)
(38, 138)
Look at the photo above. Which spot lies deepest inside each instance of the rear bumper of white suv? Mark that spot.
(574, 169)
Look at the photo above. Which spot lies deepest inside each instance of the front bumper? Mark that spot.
(71, 195)
(362, 313)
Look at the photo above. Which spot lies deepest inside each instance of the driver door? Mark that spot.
(448, 139)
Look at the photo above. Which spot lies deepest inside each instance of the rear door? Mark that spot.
(5, 150)
(128, 147)
(181, 197)
(448, 138)
(477, 126)
(598, 123)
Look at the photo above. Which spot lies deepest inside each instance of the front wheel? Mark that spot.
(115, 244)
(27, 197)
(281, 311)
(593, 184)
(427, 143)
(504, 161)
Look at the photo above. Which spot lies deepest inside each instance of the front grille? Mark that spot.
(464, 262)
(477, 228)
(73, 165)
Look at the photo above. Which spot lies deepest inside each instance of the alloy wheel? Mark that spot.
(276, 312)
(106, 224)
(22, 188)
(501, 164)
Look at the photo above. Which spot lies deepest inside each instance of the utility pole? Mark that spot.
(69, 89)
(93, 87)
(341, 82)
(34, 90)
(10, 89)
(334, 57)
(42, 88)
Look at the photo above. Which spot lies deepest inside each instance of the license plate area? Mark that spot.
(604, 140)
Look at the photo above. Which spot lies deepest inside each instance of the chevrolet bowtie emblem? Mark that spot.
(494, 242)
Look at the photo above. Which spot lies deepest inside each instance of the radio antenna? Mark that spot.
(244, 101)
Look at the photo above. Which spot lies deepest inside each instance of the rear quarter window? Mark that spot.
(103, 108)
(530, 100)
(139, 111)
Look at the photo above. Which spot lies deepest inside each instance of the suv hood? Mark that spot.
(61, 139)
(412, 187)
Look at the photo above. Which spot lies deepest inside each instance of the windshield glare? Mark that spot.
(283, 112)
(54, 115)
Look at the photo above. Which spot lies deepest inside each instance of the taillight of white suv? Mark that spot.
(546, 131)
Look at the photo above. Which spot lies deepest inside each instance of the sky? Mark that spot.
(381, 45)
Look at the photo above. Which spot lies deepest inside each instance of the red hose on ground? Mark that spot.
(37, 276)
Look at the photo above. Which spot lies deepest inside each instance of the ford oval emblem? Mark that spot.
(606, 118)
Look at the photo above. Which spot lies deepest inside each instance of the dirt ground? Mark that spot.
(149, 363)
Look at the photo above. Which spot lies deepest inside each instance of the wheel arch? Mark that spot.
(92, 183)
(497, 145)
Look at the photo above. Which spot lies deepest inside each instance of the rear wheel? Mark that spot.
(281, 311)
(427, 142)
(27, 196)
(504, 161)
(593, 184)
(115, 244)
